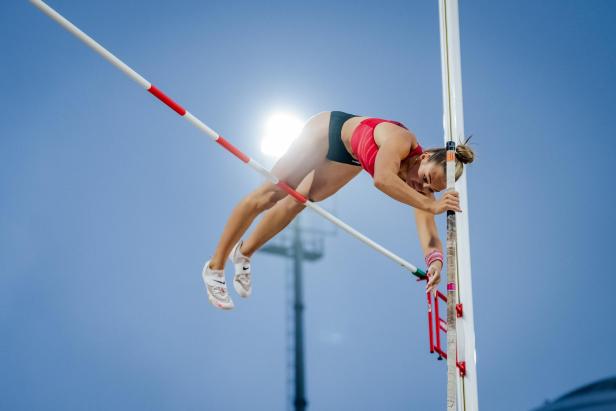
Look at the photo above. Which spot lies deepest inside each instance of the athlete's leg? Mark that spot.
(306, 153)
(327, 179)
(276, 218)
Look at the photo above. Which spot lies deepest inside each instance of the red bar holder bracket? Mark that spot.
(436, 325)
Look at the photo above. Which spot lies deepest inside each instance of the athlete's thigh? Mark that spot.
(289, 203)
(330, 177)
(306, 153)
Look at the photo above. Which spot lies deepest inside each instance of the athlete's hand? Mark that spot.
(434, 277)
(449, 201)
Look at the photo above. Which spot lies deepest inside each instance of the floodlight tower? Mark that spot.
(298, 250)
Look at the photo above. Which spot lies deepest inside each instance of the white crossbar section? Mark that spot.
(91, 43)
(361, 237)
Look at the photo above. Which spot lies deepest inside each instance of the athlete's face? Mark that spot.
(429, 178)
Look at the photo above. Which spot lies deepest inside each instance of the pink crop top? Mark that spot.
(364, 147)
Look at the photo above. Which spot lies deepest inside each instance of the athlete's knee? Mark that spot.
(265, 197)
(292, 206)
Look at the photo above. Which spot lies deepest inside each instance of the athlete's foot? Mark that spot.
(216, 287)
(242, 279)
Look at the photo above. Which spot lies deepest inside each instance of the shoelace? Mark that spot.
(218, 290)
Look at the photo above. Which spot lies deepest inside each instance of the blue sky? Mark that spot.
(109, 204)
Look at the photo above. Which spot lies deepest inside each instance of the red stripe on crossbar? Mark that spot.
(292, 192)
(163, 97)
(234, 150)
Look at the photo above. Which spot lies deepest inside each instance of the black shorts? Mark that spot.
(337, 151)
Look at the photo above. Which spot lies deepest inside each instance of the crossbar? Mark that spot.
(107, 55)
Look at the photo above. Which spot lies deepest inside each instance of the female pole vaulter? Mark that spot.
(332, 148)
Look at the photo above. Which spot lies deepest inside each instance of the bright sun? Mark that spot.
(280, 131)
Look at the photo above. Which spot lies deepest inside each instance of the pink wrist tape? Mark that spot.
(434, 255)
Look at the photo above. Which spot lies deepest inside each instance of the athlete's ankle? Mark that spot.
(215, 265)
(246, 251)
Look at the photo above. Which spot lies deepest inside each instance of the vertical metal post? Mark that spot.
(298, 306)
(298, 250)
(452, 295)
(453, 124)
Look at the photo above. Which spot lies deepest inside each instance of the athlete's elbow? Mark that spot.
(380, 182)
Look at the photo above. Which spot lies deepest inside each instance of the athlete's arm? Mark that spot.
(429, 240)
(387, 165)
(426, 230)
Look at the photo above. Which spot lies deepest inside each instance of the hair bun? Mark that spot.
(464, 153)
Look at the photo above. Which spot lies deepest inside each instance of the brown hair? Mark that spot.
(464, 155)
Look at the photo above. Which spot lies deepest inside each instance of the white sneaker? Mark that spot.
(242, 281)
(216, 287)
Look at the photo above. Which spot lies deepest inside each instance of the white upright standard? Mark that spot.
(453, 123)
